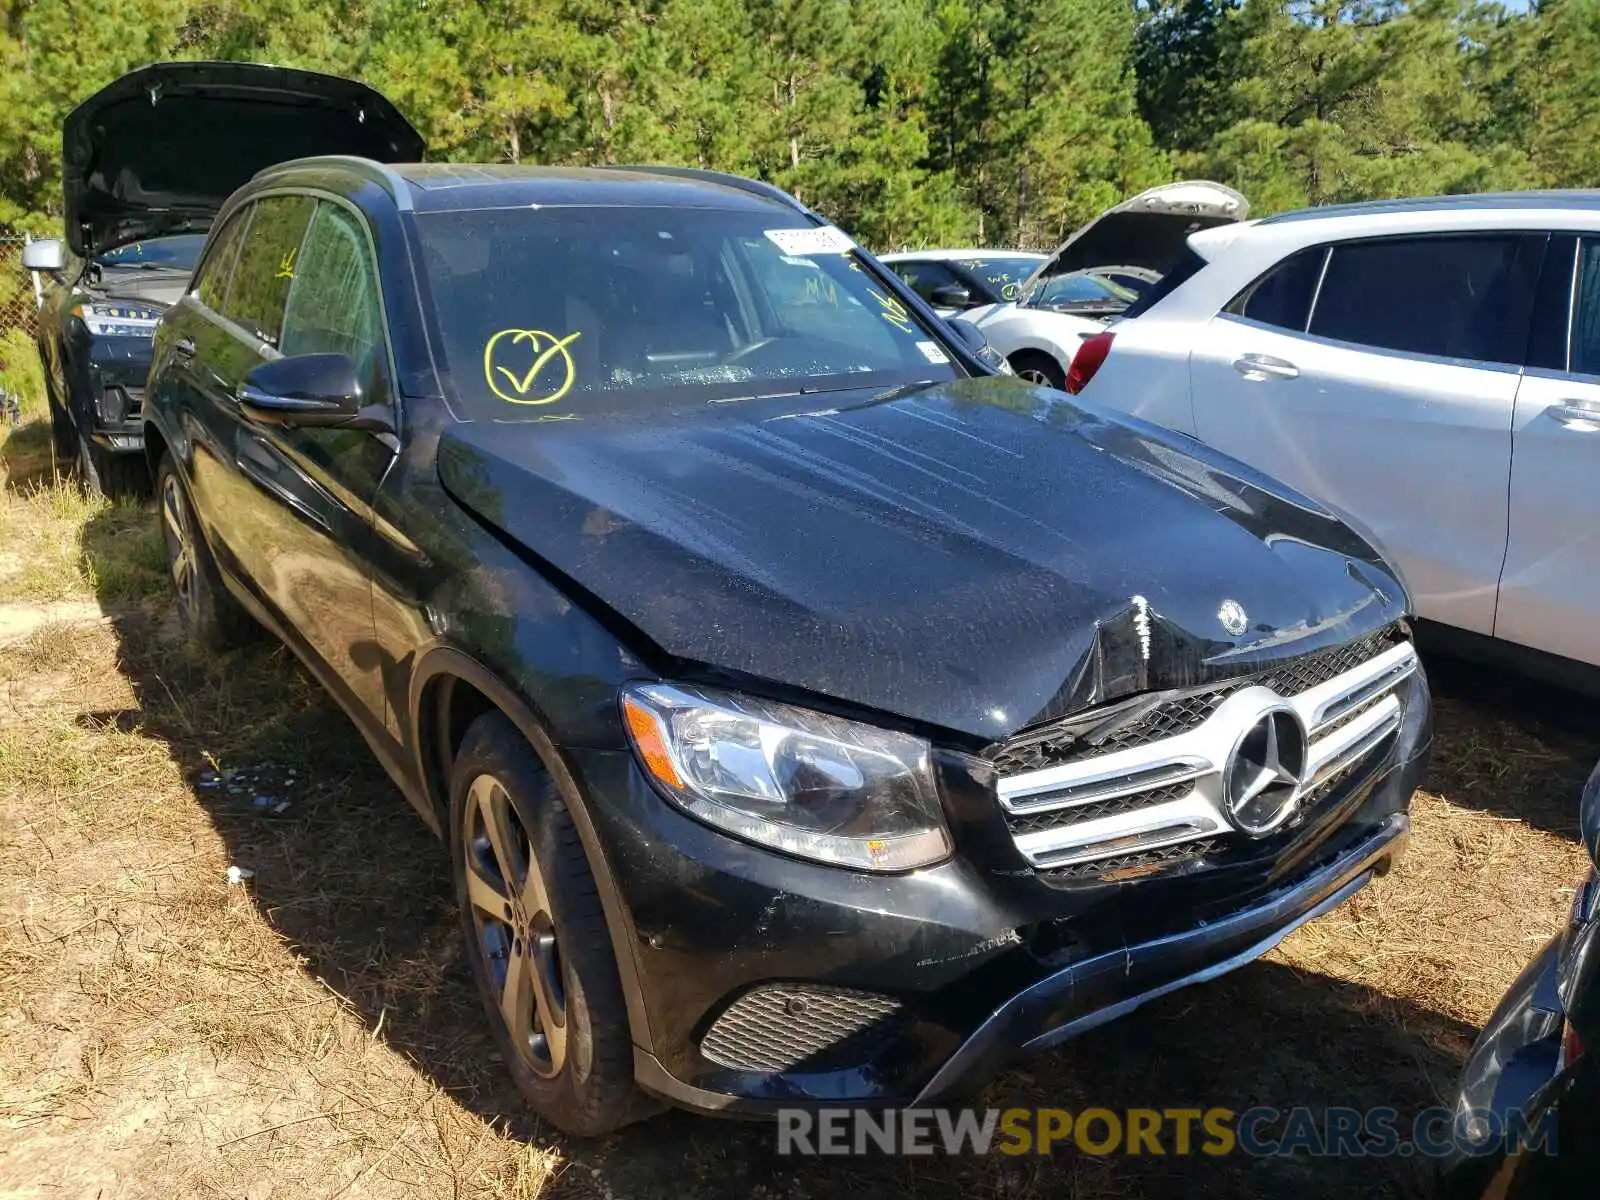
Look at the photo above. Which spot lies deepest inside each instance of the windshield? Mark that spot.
(178, 253)
(1004, 276)
(1080, 287)
(577, 312)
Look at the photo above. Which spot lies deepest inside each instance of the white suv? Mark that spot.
(1429, 367)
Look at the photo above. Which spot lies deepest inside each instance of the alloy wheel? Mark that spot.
(1035, 376)
(181, 559)
(514, 933)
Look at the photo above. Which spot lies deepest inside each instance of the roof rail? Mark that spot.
(754, 186)
(380, 173)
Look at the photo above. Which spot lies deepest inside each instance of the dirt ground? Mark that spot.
(310, 1031)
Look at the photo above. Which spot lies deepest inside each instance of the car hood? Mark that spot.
(158, 150)
(978, 556)
(1149, 231)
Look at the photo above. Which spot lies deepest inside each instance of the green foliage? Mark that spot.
(910, 122)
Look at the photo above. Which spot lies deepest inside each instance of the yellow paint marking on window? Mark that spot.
(520, 385)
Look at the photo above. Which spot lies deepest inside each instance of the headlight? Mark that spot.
(802, 782)
(118, 320)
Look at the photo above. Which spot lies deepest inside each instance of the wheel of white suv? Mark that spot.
(1033, 366)
(537, 937)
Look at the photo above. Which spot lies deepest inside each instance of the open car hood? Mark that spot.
(158, 150)
(1148, 231)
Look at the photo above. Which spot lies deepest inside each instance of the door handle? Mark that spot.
(1257, 367)
(184, 347)
(1583, 416)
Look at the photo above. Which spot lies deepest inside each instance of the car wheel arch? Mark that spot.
(449, 690)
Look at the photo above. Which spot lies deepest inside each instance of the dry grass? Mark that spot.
(313, 1033)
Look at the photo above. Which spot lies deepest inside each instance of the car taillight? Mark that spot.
(1091, 353)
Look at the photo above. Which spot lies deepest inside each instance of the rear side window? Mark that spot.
(1463, 297)
(1282, 297)
(923, 277)
(1182, 271)
(211, 281)
(268, 265)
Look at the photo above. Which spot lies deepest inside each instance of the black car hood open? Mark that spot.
(1148, 231)
(158, 150)
(978, 556)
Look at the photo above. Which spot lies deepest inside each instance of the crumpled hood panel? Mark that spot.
(978, 556)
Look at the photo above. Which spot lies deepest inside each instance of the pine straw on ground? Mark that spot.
(312, 1033)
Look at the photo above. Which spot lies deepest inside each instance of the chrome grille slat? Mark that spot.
(1132, 800)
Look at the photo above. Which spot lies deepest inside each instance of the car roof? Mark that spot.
(1572, 198)
(455, 187)
(945, 255)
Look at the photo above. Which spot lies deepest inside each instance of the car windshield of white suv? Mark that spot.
(577, 312)
(1004, 275)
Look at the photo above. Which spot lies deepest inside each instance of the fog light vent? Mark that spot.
(804, 1028)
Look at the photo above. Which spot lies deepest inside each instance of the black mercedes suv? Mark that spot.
(813, 716)
(146, 160)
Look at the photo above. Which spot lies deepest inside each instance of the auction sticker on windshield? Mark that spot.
(819, 239)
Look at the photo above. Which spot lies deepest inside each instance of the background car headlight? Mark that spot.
(118, 320)
(797, 781)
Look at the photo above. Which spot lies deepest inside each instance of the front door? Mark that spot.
(301, 525)
(1550, 590)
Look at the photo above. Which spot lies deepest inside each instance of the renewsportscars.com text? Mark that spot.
(1259, 1132)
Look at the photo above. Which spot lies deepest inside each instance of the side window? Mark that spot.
(1282, 296)
(923, 277)
(1465, 297)
(1585, 359)
(334, 305)
(1552, 307)
(211, 280)
(268, 265)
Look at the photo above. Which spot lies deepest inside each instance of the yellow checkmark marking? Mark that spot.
(521, 384)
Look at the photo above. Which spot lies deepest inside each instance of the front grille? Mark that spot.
(807, 1028)
(1142, 784)
(1030, 822)
(1065, 740)
(1129, 866)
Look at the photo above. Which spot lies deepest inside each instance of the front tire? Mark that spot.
(537, 937)
(208, 613)
(109, 474)
(63, 433)
(1038, 368)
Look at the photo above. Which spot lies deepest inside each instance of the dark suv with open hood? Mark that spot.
(813, 716)
(145, 163)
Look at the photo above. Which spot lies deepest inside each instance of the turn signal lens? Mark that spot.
(650, 739)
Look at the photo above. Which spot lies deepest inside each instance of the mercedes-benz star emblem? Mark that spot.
(1233, 617)
(1264, 776)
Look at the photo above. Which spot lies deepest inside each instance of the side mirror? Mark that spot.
(977, 342)
(950, 295)
(312, 391)
(47, 255)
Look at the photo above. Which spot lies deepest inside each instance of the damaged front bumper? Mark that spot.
(758, 982)
(111, 385)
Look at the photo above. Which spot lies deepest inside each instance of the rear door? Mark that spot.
(1550, 589)
(1379, 376)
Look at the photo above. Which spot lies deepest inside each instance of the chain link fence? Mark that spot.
(21, 377)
